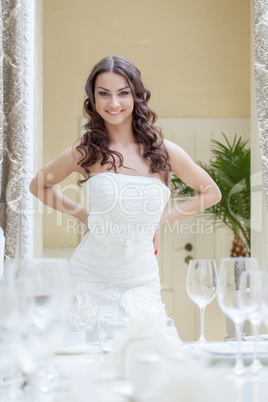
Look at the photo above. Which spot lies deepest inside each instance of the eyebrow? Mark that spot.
(121, 89)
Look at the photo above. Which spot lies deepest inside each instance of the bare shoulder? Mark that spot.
(77, 155)
(70, 156)
(171, 146)
(185, 168)
(66, 162)
(174, 151)
(175, 154)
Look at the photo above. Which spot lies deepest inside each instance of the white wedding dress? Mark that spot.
(114, 270)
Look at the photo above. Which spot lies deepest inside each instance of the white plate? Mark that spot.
(73, 337)
(225, 349)
(79, 349)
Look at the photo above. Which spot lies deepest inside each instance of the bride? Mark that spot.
(125, 163)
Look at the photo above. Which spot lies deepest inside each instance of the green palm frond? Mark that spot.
(229, 167)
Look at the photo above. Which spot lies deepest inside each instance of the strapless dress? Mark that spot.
(114, 270)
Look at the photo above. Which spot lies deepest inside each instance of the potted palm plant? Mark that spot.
(229, 167)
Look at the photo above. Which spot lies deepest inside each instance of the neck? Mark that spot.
(121, 135)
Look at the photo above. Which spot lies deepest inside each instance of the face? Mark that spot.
(113, 99)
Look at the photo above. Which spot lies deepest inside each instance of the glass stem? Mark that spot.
(202, 325)
(17, 380)
(239, 364)
(256, 364)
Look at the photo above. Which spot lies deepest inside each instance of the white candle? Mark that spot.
(2, 252)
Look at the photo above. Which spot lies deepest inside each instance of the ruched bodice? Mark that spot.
(125, 209)
(114, 268)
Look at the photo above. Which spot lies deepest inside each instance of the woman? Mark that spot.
(126, 163)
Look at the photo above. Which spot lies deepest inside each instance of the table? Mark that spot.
(196, 374)
(84, 382)
(84, 385)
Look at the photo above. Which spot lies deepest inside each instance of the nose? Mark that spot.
(114, 102)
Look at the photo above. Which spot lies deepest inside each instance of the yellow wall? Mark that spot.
(194, 56)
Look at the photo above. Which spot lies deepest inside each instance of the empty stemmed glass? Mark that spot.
(16, 336)
(51, 291)
(253, 301)
(201, 287)
(41, 330)
(228, 298)
(265, 298)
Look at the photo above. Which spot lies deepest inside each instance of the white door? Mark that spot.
(194, 237)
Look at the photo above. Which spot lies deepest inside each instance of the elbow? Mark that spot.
(213, 196)
(217, 196)
(37, 188)
(33, 187)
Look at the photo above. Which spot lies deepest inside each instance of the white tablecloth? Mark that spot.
(86, 382)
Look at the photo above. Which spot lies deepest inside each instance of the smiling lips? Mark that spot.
(114, 113)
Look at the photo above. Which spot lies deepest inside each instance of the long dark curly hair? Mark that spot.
(94, 144)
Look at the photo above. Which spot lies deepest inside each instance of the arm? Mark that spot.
(208, 193)
(42, 185)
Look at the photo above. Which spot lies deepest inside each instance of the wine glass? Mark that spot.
(51, 290)
(253, 300)
(228, 297)
(201, 284)
(265, 298)
(33, 313)
(16, 334)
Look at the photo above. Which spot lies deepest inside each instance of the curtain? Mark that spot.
(260, 40)
(11, 121)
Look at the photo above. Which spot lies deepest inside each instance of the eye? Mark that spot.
(102, 93)
(124, 93)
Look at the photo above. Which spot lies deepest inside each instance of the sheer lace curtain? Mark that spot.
(260, 41)
(20, 141)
